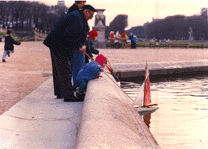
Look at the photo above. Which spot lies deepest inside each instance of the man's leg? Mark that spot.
(56, 81)
(63, 70)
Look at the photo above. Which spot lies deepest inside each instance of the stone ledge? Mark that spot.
(109, 120)
(160, 68)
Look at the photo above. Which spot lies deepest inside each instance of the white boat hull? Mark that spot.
(146, 110)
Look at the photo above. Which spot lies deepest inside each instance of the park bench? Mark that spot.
(179, 44)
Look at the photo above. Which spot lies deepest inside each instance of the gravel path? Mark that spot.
(27, 68)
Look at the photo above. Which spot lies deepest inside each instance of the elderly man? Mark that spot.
(68, 35)
(76, 6)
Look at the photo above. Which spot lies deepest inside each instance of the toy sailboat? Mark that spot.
(142, 102)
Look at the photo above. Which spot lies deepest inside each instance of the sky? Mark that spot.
(140, 11)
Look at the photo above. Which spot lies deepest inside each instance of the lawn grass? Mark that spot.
(175, 44)
(18, 38)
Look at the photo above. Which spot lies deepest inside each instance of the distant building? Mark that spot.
(61, 3)
(53, 9)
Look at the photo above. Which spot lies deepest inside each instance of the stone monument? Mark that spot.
(100, 42)
(191, 37)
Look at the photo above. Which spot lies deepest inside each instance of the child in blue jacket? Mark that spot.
(90, 71)
(9, 45)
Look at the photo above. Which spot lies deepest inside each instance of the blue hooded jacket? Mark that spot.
(134, 39)
(88, 72)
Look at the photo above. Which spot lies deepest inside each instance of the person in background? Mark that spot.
(90, 45)
(111, 37)
(91, 70)
(134, 41)
(130, 38)
(76, 6)
(9, 45)
(67, 37)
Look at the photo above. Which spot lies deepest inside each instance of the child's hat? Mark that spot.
(92, 34)
(100, 59)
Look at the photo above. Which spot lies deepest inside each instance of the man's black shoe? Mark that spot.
(72, 99)
(58, 97)
(3, 60)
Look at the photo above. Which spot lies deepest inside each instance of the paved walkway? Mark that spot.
(41, 121)
(155, 55)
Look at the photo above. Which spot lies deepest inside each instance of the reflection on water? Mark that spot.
(182, 118)
(147, 118)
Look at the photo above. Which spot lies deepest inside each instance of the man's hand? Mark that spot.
(83, 49)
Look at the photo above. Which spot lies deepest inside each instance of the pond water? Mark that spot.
(182, 118)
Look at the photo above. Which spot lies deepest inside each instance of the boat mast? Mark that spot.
(145, 79)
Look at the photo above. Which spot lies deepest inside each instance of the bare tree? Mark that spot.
(5, 12)
(22, 15)
(3, 6)
(19, 14)
(61, 10)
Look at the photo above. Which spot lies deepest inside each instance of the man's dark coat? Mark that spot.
(69, 34)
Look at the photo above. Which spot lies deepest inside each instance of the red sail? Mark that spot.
(147, 94)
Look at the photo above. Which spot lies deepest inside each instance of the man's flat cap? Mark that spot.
(89, 7)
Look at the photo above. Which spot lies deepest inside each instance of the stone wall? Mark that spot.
(109, 119)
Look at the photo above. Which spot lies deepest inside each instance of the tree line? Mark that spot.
(24, 15)
(172, 27)
(177, 28)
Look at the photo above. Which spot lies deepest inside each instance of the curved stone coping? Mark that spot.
(109, 120)
(159, 68)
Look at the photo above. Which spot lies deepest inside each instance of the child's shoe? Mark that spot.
(8, 53)
(80, 95)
